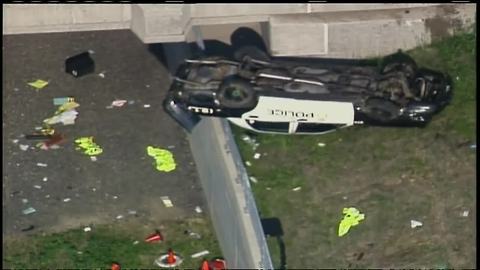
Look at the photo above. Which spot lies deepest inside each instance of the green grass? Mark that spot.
(393, 175)
(107, 243)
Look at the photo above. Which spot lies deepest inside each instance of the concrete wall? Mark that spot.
(230, 199)
(326, 30)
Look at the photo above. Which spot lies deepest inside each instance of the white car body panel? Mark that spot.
(279, 109)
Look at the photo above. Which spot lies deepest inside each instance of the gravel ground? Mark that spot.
(123, 178)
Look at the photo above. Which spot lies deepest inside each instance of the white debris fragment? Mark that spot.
(132, 212)
(92, 158)
(253, 179)
(147, 85)
(248, 163)
(115, 197)
(55, 146)
(15, 141)
(415, 223)
(166, 201)
(473, 146)
(171, 146)
(42, 165)
(47, 196)
(67, 199)
(15, 89)
(321, 144)
(91, 51)
(87, 229)
(24, 200)
(200, 254)
(344, 197)
(29, 211)
(465, 213)
(118, 103)
(38, 128)
(136, 242)
(23, 147)
(297, 188)
(457, 78)
(146, 105)
(131, 102)
(109, 107)
(37, 186)
(268, 188)
(101, 75)
(198, 209)
(257, 155)
(119, 217)
(94, 189)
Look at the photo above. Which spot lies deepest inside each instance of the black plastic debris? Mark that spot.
(80, 64)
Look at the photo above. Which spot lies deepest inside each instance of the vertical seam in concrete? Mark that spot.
(325, 37)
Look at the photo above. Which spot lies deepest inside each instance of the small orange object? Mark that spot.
(115, 266)
(171, 257)
(205, 265)
(157, 236)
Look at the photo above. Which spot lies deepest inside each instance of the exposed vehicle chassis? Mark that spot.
(306, 95)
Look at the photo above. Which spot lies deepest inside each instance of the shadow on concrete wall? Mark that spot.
(241, 37)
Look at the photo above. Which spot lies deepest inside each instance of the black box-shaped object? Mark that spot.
(80, 64)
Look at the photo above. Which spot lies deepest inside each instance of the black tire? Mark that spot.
(399, 62)
(252, 52)
(236, 93)
(381, 110)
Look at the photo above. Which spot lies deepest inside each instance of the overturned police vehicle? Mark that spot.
(306, 95)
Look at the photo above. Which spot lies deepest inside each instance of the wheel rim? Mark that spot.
(235, 93)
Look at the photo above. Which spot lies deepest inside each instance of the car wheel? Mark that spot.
(236, 93)
(399, 62)
(381, 109)
(252, 52)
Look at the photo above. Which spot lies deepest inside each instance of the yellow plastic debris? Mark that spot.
(163, 158)
(67, 107)
(38, 84)
(88, 146)
(352, 218)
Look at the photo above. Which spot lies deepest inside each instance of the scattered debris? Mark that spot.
(166, 201)
(344, 197)
(115, 197)
(163, 158)
(101, 75)
(465, 213)
(256, 156)
(268, 188)
(155, 237)
(62, 100)
(250, 141)
(29, 228)
(118, 103)
(42, 165)
(136, 242)
(253, 179)
(38, 84)
(119, 217)
(93, 158)
(132, 212)
(23, 147)
(146, 105)
(131, 102)
(171, 146)
(415, 223)
(24, 200)
(88, 146)
(473, 146)
(45, 179)
(47, 196)
(321, 144)
(87, 229)
(29, 210)
(16, 89)
(200, 254)
(67, 199)
(248, 163)
(457, 78)
(147, 85)
(352, 218)
(37, 186)
(15, 141)
(198, 209)
(193, 234)
(169, 260)
(297, 188)
(66, 118)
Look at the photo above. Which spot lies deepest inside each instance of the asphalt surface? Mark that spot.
(123, 181)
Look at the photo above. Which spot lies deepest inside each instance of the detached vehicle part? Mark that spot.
(305, 95)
